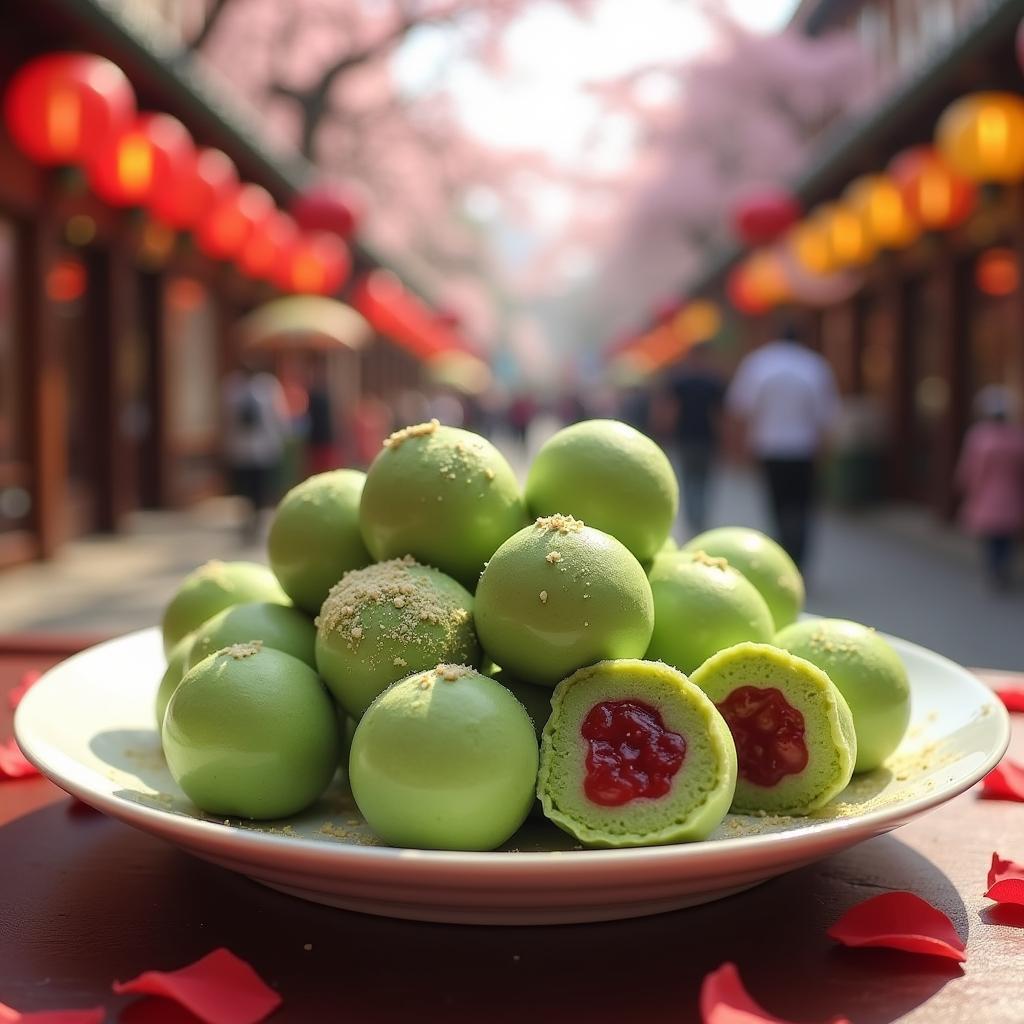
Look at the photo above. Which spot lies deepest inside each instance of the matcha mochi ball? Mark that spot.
(444, 760)
(868, 673)
(315, 537)
(610, 476)
(763, 562)
(383, 622)
(443, 495)
(177, 666)
(272, 625)
(251, 732)
(635, 755)
(559, 595)
(213, 587)
(701, 605)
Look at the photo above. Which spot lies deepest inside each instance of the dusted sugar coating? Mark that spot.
(315, 537)
(381, 623)
(272, 625)
(763, 562)
(635, 755)
(560, 595)
(251, 732)
(177, 666)
(443, 495)
(612, 477)
(702, 605)
(213, 587)
(444, 760)
(868, 673)
(793, 730)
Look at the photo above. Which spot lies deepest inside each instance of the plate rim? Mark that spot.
(497, 862)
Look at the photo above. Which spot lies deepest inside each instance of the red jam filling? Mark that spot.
(631, 753)
(768, 732)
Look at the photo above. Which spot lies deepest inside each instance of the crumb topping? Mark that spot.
(396, 439)
(246, 650)
(559, 523)
(703, 558)
(552, 557)
(543, 597)
(449, 673)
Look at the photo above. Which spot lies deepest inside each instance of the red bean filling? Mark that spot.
(631, 753)
(768, 732)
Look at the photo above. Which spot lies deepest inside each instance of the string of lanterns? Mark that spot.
(79, 110)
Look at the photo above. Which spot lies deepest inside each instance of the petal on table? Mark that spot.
(219, 989)
(8, 1015)
(1011, 696)
(1004, 782)
(724, 1000)
(900, 920)
(14, 765)
(1005, 881)
(27, 681)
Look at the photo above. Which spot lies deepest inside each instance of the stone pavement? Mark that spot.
(893, 569)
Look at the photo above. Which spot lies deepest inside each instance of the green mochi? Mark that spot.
(213, 587)
(445, 496)
(386, 621)
(829, 735)
(272, 625)
(251, 732)
(868, 673)
(702, 605)
(315, 537)
(763, 562)
(559, 595)
(444, 760)
(701, 790)
(177, 666)
(612, 477)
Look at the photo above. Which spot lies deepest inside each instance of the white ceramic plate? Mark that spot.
(88, 725)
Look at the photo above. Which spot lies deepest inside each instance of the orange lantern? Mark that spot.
(757, 284)
(269, 246)
(809, 243)
(996, 272)
(982, 136)
(699, 321)
(847, 236)
(876, 199)
(937, 197)
(61, 108)
(141, 161)
(318, 263)
(208, 178)
(226, 229)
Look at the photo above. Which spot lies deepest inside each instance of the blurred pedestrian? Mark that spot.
(321, 448)
(990, 473)
(255, 431)
(785, 396)
(697, 390)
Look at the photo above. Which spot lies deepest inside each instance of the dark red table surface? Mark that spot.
(85, 900)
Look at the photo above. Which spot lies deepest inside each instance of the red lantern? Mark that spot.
(937, 197)
(318, 263)
(996, 272)
(227, 228)
(762, 217)
(392, 311)
(329, 206)
(61, 108)
(209, 178)
(264, 256)
(139, 162)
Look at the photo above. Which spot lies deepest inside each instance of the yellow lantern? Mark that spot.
(982, 136)
(876, 199)
(848, 239)
(698, 321)
(809, 244)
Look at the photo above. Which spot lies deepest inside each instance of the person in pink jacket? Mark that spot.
(990, 473)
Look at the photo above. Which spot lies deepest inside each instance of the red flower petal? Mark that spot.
(27, 681)
(8, 1015)
(1004, 782)
(1005, 881)
(1011, 696)
(899, 920)
(219, 989)
(14, 765)
(724, 1000)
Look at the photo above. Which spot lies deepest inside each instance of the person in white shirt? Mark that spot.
(786, 398)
